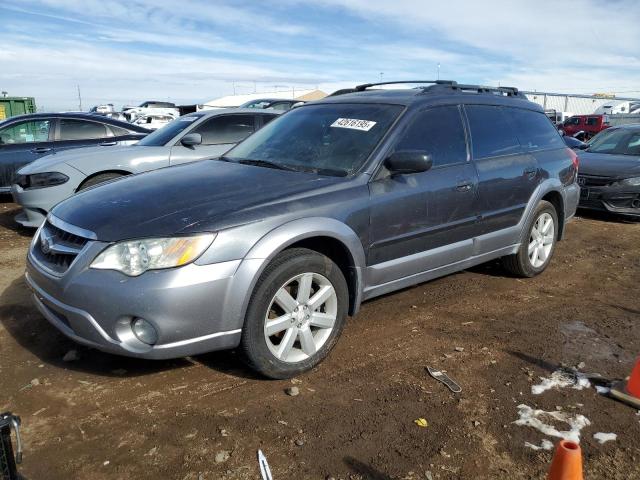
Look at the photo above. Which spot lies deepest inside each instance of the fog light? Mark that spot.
(144, 331)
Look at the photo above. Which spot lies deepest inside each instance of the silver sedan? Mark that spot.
(42, 184)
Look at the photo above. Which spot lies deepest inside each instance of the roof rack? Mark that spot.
(509, 91)
(364, 86)
(451, 85)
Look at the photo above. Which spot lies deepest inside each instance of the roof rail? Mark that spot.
(364, 86)
(508, 91)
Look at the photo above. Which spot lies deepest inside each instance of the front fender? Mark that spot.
(278, 239)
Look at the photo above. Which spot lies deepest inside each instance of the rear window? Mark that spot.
(492, 134)
(534, 130)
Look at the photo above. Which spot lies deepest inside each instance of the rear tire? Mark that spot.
(98, 179)
(538, 244)
(296, 313)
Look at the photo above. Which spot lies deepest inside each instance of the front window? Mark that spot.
(160, 137)
(616, 141)
(25, 132)
(331, 139)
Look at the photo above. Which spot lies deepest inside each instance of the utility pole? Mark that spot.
(381, 75)
(79, 99)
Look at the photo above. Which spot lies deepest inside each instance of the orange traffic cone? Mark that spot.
(633, 385)
(567, 462)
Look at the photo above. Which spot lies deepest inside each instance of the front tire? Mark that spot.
(538, 245)
(296, 313)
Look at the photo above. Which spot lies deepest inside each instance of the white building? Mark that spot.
(577, 104)
(236, 100)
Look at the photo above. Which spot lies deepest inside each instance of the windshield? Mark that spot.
(332, 139)
(619, 141)
(160, 137)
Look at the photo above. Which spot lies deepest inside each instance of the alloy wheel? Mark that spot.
(541, 240)
(300, 317)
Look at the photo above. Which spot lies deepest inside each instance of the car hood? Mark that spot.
(195, 197)
(608, 165)
(114, 156)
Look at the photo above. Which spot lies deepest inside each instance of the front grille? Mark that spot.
(56, 249)
(594, 181)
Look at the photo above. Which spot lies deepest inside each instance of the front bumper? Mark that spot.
(188, 306)
(37, 202)
(618, 200)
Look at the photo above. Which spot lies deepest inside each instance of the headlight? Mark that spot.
(134, 257)
(41, 180)
(630, 182)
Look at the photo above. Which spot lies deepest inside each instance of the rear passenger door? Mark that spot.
(507, 173)
(219, 134)
(417, 213)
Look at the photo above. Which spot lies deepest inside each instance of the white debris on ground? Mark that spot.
(561, 379)
(602, 390)
(605, 437)
(545, 445)
(532, 418)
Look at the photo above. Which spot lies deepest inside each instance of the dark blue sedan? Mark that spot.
(609, 174)
(26, 138)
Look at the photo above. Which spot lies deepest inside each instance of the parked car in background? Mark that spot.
(103, 109)
(589, 124)
(273, 103)
(26, 138)
(41, 185)
(272, 245)
(574, 143)
(610, 172)
(153, 122)
(150, 108)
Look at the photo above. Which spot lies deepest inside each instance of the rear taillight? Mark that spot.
(574, 159)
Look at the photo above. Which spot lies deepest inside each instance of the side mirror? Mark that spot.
(408, 161)
(191, 139)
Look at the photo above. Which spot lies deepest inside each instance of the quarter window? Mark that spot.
(492, 134)
(439, 133)
(226, 129)
(81, 130)
(26, 132)
(534, 130)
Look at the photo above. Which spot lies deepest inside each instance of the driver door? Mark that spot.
(426, 220)
(219, 135)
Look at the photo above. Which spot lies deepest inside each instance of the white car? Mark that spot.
(150, 108)
(153, 122)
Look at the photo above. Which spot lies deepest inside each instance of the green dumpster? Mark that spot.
(12, 106)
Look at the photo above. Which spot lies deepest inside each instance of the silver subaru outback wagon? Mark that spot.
(271, 246)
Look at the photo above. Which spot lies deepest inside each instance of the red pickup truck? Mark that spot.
(589, 124)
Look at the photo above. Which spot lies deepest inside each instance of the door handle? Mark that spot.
(464, 185)
(41, 150)
(108, 144)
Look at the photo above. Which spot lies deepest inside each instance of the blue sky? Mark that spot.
(191, 51)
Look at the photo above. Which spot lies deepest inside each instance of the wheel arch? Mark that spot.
(327, 236)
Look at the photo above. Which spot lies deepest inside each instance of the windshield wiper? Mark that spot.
(266, 163)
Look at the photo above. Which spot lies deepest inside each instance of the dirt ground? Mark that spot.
(108, 417)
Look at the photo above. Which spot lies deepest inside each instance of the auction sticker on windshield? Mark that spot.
(354, 124)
